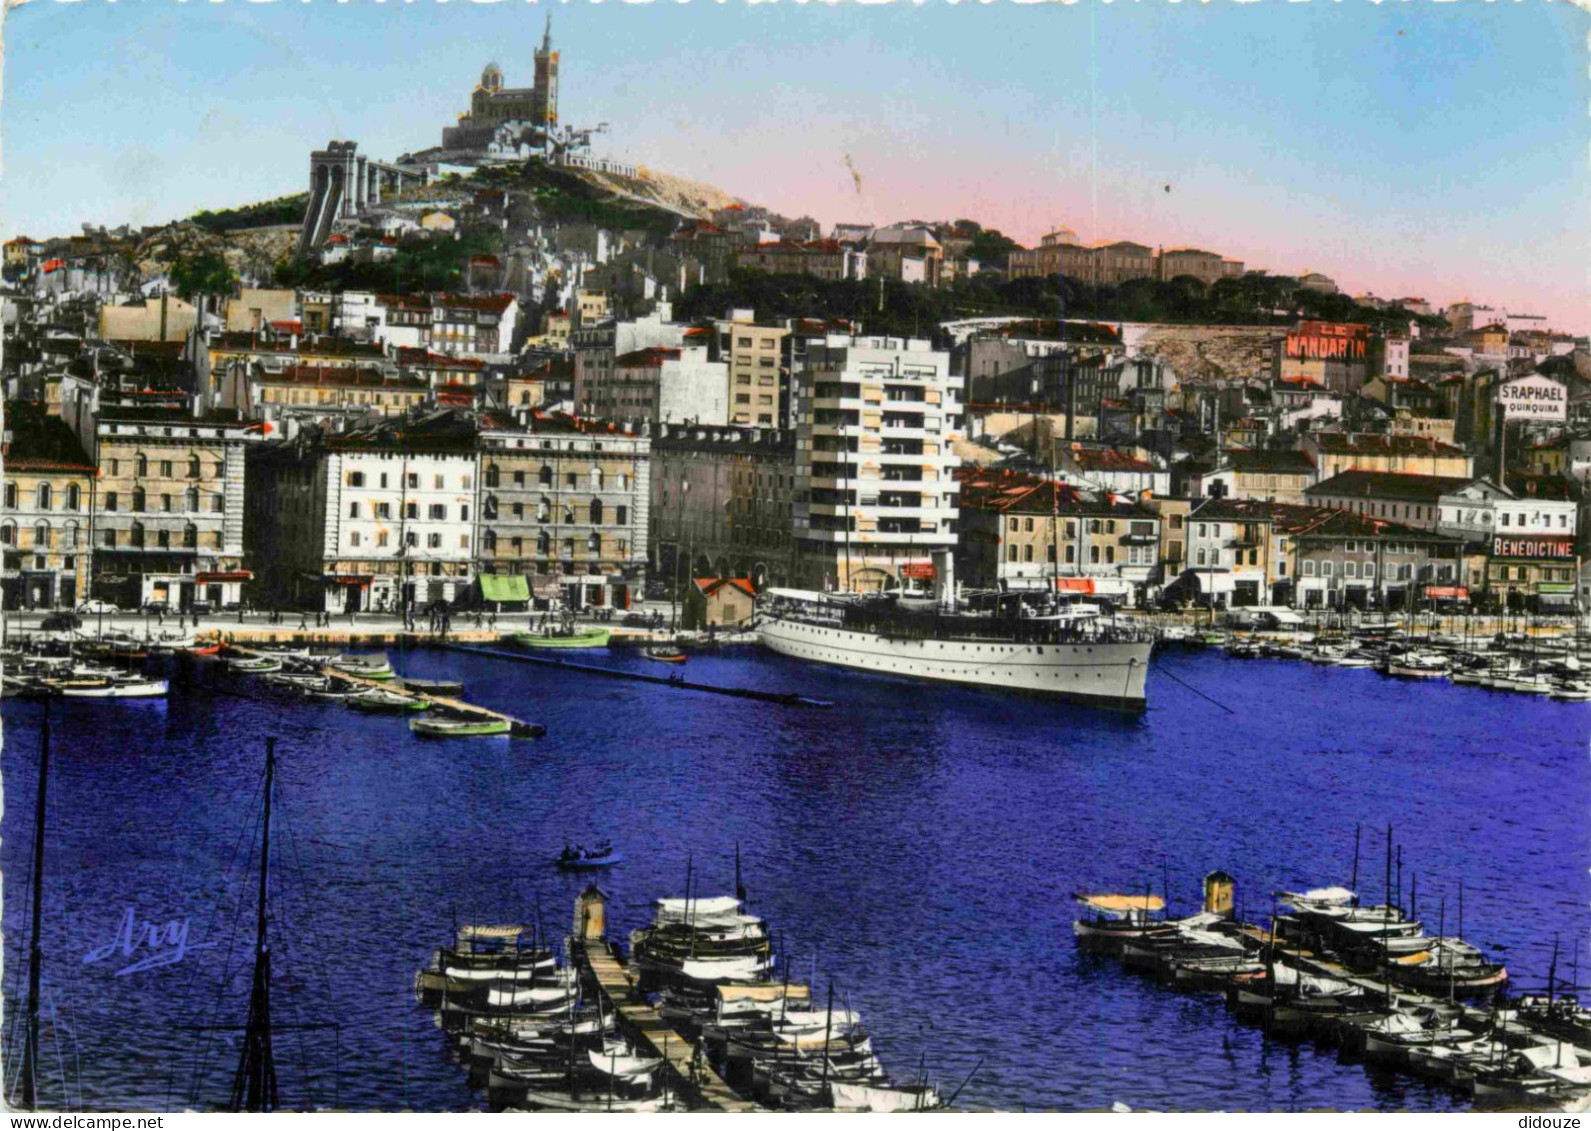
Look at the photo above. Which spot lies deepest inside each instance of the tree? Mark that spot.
(204, 272)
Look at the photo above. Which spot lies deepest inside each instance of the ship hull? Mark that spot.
(1102, 674)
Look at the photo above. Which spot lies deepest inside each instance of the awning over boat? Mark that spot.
(1083, 585)
(1318, 897)
(771, 992)
(504, 587)
(483, 931)
(1419, 959)
(1121, 904)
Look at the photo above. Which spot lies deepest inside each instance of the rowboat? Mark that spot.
(254, 665)
(458, 728)
(579, 638)
(365, 667)
(665, 655)
(128, 689)
(378, 699)
(434, 686)
(574, 859)
(204, 650)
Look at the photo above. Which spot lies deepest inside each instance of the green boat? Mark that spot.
(580, 638)
(380, 699)
(458, 728)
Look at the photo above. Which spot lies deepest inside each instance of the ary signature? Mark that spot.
(159, 944)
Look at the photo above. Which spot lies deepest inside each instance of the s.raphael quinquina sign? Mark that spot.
(1534, 398)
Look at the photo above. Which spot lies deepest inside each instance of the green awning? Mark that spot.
(504, 587)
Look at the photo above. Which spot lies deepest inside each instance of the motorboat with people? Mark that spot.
(579, 857)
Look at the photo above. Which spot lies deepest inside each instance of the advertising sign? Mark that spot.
(1531, 546)
(919, 571)
(1534, 398)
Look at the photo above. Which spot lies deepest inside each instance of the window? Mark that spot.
(464, 512)
(41, 535)
(163, 539)
(383, 480)
(11, 497)
(143, 465)
(544, 476)
(356, 479)
(1013, 525)
(570, 479)
(110, 500)
(1176, 522)
(1027, 552)
(165, 504)
(1093, 555)
(44, 497)
(1309, 567)
(596, 512)
(543, 543)
(138, 498)
(1200, 556)
(381, 537)
(413, 479)
(464, 482)
(440, 482)
(438, 511)
(621, 515)
(1110, 555)
(115, 467)
(1369, 570)
(1203, 530)
(411, 539)
(110, 539)
(412, 510)
(1350, 569)
(73, 537)
(138, 535)
(519, 478)
(218, 504)
(353, 510)
(1503, 519)
(594, 544)
(464, 541)
(489, 541)
(190, 536)
(165, 469)
(1325, 569)
(493, 476)
(1011, 552)
(433, 541)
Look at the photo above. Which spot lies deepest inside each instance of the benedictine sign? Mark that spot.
(1534, 398)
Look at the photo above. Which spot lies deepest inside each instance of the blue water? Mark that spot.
(915, 845)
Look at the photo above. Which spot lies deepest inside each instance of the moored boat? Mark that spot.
(574, 638)
(380, 699)
(459, 728)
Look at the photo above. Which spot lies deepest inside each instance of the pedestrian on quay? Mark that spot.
(303, 620)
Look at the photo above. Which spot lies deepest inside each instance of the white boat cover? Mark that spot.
(625, 1064)
(484, 931)
(1580, 1074)
(875, 1097)
(711, 969)
(1547, 1056)
(1318, 898)
(679, 910)
(1122, 904)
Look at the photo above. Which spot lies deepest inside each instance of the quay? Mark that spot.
(786, 698)
(695, 1076)
(519, 728)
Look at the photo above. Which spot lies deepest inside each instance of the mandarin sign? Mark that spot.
(1534, 398)
(1561, 549)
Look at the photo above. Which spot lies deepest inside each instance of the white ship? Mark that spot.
(1063, 652)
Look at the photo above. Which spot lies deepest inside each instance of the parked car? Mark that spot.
(95, 608)
(636, 620)
(151, 608)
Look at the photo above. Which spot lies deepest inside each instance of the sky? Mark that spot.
(1405, 148)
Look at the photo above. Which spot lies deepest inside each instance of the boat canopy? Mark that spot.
(715, 906)
(1122, 904)
(504, 587)
(811, 596)
(1318, 897)
(482, 931)
(773, 992)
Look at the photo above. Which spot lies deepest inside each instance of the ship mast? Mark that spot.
(254, 1086)
(30, 1040)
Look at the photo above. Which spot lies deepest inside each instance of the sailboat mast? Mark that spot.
(30, 1040)
(254, 1086)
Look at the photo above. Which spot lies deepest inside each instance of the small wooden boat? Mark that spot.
(365, 667)
(459, 728)
(665, 655)
(204, 650)
(434, 686)
(124, 689)
(575, 859)
(578, 638)
(255, 665)
(379, 699)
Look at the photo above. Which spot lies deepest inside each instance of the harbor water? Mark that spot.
(918, 846)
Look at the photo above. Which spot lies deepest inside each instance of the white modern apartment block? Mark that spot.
(876, 493)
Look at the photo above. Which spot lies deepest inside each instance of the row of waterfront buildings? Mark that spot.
(232, 467)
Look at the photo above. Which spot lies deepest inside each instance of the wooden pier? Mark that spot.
(695, 1076)
(517, 727)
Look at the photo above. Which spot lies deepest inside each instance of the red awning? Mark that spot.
(1083, 585)
(230, 575)
(922, 571)
(350, 579)
(1447, 593)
